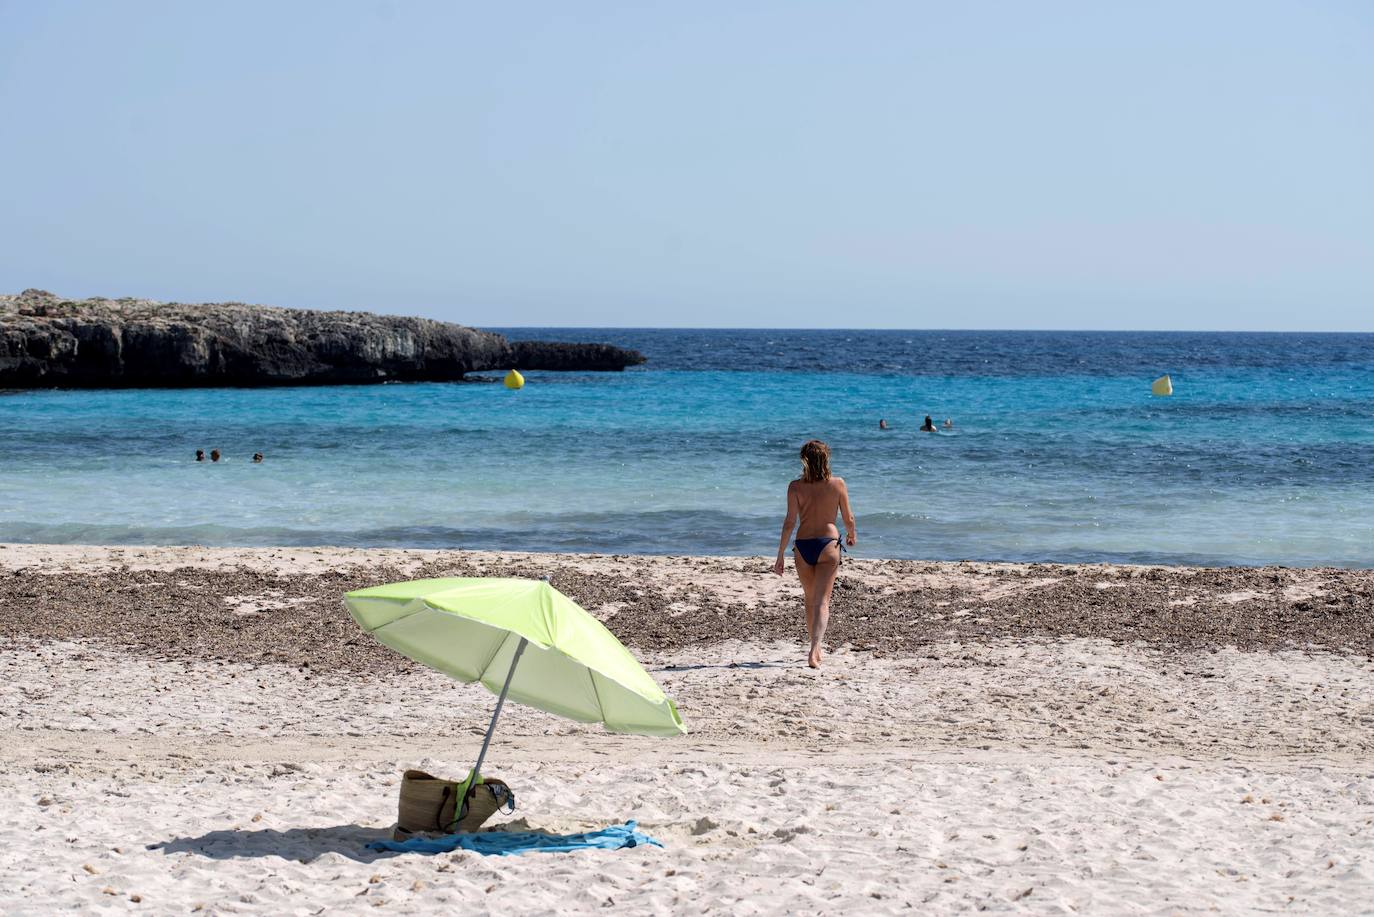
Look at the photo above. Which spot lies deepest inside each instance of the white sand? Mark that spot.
(970, 780)
(1017, 775)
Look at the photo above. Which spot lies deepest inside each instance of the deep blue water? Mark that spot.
(1265, 453)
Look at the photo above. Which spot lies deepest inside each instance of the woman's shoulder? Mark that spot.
(832, 481)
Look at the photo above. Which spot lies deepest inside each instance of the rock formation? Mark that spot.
(49, 342)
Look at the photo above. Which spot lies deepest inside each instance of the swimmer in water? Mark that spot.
(948, 424)
(214, 455)
(882, 424)
(928, 426)
(200, 455)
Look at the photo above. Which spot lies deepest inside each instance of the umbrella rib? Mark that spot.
(591, 676)
(496, 652)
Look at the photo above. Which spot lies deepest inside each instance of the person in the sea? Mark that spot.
(214, 455)
(882, 424)
(928, 426)
(200, 455)
(948, 424)
(813, 500)
(257, 458)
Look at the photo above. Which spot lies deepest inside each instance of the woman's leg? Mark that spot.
(818, 598)
(807, 574)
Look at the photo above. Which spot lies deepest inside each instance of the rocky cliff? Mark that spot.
(47, 341)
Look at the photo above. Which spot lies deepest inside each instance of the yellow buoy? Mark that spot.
(1162, 386)
(514, 380)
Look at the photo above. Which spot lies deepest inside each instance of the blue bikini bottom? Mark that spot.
(811, 549)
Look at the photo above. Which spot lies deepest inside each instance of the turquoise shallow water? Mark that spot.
(1264, 455)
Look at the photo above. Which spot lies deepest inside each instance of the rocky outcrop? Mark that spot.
(47, 341)
(571, 357)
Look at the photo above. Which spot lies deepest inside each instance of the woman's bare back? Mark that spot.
(818, 503)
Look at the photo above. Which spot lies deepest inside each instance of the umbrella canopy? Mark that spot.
(523, 639)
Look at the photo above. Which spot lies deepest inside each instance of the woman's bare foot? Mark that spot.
(814, 660)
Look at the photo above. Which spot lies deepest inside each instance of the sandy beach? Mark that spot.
(193, 729)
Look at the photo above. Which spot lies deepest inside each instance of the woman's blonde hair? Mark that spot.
(815, 456)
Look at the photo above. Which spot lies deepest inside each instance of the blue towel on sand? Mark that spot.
(504, 843)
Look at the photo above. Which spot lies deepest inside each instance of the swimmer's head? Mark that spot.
(214, 455)
(815, 456)
(882, 424)
(200, 455)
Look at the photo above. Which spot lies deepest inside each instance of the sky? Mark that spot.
(1165, 165)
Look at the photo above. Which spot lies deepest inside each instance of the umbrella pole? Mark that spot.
(481, 756)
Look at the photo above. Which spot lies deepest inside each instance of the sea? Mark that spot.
(1058, 451)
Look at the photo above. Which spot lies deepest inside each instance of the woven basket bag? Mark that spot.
(428, 805)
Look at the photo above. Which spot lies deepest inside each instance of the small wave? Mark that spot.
(893, 537)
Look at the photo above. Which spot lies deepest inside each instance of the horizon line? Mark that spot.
(915, 330)
(418, 314)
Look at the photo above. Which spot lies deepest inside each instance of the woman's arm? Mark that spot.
(788, 523)
(851, 533)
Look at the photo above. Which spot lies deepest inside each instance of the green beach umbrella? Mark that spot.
(522, 639)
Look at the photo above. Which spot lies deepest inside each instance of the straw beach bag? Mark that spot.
(430, 805)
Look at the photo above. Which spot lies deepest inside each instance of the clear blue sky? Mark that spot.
(848, 164)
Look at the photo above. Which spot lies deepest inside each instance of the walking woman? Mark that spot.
(813, 500)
